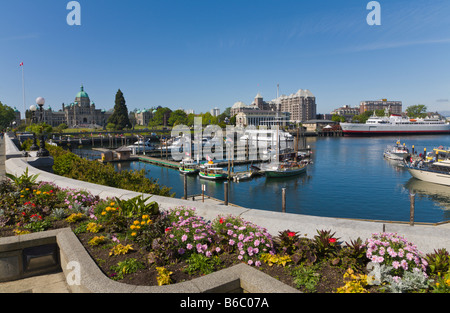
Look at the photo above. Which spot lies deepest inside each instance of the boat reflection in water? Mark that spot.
(439, 194)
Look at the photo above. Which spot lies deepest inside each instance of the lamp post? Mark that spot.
(42, 151)
(33, 109)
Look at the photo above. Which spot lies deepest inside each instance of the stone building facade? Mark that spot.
(80, 113)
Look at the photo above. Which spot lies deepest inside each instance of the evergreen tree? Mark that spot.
(120, 115)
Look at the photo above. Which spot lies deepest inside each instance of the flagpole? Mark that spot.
(23, 92)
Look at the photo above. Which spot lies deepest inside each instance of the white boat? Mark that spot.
(394, 125)
(432, 172)
(211, 172)
(140, 146)
(242, 176)
(269, 136)
(397, 152)
(188, 166)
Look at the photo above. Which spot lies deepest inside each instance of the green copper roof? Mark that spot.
(82, 93)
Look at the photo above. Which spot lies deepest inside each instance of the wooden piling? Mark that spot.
(283, 200)
(412, 199)
(225, 186)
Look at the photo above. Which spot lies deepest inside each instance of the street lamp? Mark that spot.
(42, 151)
(33, 109)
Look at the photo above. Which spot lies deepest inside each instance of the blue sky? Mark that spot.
(200, 54)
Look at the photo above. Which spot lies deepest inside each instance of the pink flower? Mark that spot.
(184, 238)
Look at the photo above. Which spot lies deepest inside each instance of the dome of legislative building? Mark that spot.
(82, 93)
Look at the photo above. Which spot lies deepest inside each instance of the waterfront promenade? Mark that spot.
(426, 237)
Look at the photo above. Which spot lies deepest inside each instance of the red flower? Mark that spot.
(291, 234)
(332, 240)
(221, 221)
(23, 213)
(168, 229)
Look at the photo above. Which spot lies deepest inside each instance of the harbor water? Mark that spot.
(349, 178)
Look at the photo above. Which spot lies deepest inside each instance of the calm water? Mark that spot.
(349, 178)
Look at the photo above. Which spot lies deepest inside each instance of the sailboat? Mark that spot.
(286, 167)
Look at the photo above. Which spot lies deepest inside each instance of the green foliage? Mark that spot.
(306, 277)
(128, 266)
(199, 263)
(287, 240)
(137, 206)
(41, 128)
(70, 165)
(438, 262)
(38, 226)
(418, 110)
(7, 115)
(326, 244)
(120, 116)
(178, 117)
(353, 255)
(23, 181)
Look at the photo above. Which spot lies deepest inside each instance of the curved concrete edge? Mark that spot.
(11, 150)
(427, 238)
(75, 260)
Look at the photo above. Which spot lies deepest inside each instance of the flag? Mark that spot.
(21, 64)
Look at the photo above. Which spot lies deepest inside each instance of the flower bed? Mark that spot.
(134, 242)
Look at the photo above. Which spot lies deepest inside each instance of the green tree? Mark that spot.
(7, 115)
(178, 117)
(418, 110)
(161, 117)
(120, 115)
(337, 118)
(362, 118)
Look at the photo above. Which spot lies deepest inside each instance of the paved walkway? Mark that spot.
(2, 158)
(51, 283)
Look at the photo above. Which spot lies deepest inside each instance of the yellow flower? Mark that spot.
(103, 213)
(143, 223)
(138, 227)
(149, 221)
(133, 234)
(38, 192)
(27, 189)
(112, 203)
(22, 196)
(136, 222)
(144, 217)
(132, 227)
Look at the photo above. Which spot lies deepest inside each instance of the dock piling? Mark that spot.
(412, 199)
(225, 186)
(185, 187)
(283, 200)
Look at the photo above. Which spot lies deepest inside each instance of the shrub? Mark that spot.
(397, 262)
(248, 240)
(127, 266)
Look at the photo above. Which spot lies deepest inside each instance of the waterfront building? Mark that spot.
(262, 117)
(80, 113)
(317, 125)
(394, 107)
(215, 112)
(143, 117)
(301, 105)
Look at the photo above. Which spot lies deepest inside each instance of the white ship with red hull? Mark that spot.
(396, 125)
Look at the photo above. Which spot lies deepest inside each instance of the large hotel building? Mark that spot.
(394, 107)
(295, 108)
